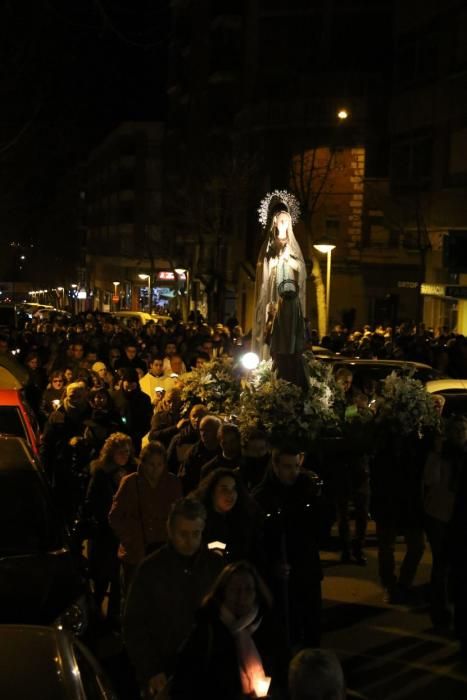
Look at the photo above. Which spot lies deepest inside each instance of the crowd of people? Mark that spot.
(203, 548)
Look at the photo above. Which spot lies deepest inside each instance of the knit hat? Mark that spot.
(98, 366)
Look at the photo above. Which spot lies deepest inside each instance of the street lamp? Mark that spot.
(142, 276)
(343, 114)
(116, 297)
(325, 246)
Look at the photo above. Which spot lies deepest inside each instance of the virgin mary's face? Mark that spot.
(282, 224)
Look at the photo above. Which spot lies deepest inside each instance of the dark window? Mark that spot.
(10, 421)
(416, 59)
(411, 163)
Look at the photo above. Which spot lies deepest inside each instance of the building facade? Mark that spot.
(429, 151)
(123, 220)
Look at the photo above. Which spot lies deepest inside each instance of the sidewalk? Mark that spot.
(387, 651)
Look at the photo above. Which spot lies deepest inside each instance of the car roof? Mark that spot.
(14, 368)
(388, 363)
(15, 454)
(9, 396)
(446, 385)
(36, 662)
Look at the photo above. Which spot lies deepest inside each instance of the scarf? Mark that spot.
(250, 665)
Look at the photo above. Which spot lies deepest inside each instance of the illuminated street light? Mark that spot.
(143, 276)
(343, 114)
(326, 246)
(115, 296)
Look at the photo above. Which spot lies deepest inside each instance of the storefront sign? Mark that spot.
(408, 285)
(435, 290)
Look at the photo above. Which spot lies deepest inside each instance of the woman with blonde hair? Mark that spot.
(115, 460)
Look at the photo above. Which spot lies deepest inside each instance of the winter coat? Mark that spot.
(139, 513)
(396, 483)
(207, 665)
(164, 596)
(291, 524)
(190, 471)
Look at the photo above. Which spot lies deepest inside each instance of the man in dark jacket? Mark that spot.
(130, 359)
(288, 497)
(135, 407)
(63, 449)
(186, 437)
(166, 592)
(231, 451)
(202, 451)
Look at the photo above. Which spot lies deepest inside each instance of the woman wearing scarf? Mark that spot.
(228, 654)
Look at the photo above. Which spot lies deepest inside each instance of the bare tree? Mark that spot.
(310, 180)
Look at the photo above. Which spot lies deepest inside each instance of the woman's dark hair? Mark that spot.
(112, 444)
(153, 448)
(205, 491)
(216, 595)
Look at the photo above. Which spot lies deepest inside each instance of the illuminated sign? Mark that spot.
(435, 290)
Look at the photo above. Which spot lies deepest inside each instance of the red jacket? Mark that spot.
(139, 513)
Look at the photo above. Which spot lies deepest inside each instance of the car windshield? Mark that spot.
(27, 522)
(10, 421)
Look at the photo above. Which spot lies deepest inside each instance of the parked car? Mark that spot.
(47, 663)
(41, 577)
(454, 392)
(142, 316)
(16, 415)
(380, 369)
(12, 318)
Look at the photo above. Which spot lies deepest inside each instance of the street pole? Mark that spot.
(328, 288)
(150, 293)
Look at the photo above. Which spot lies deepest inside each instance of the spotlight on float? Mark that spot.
(250, 360)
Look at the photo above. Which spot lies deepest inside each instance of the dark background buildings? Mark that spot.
(142, 138)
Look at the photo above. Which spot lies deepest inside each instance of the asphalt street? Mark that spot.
(387, 651)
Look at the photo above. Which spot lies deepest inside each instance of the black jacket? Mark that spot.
(164, 596)
(291, 523)
(207, 665)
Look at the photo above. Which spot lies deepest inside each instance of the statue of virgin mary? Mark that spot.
(280, 291)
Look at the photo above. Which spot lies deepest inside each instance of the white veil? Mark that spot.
(262, 287)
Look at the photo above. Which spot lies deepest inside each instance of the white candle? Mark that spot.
(262, 686)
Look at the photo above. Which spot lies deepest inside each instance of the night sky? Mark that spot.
(70, 72)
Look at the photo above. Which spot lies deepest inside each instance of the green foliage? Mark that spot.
(215, 384)
(406, 408)
(289, 415)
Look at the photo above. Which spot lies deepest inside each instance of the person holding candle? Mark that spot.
(232, 650)
(233, 517)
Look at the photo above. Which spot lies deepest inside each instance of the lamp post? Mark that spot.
(182, 272)
(116, 297)
(148, 278)
(325, 246)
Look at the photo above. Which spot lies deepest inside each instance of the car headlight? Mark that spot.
(75, 618)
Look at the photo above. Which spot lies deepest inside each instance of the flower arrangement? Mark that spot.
(215, 384)
(406, 408)
(289, 415)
